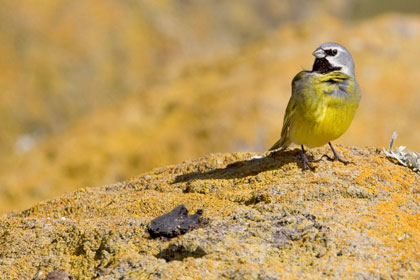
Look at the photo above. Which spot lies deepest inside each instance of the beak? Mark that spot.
(319, 53)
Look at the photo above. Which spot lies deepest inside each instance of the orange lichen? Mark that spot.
(264, 217)
(196, 110)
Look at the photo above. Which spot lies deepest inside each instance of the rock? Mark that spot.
(232, 103)
(58, 275)
(269, 220)
(174, 223)
(179, 128)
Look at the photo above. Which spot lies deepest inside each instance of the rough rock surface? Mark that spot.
(267, 219)
(198, 112)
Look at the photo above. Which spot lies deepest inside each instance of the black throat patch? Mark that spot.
(323, 66)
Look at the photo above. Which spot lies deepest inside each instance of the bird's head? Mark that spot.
(333, 57)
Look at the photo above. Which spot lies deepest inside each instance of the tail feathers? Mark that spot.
(281, 143)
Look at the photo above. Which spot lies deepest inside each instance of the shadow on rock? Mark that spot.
(244, 168)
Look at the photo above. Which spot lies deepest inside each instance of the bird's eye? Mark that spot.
(331, 52)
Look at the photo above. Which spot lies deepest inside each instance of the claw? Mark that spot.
(336, 157)
(306, 163)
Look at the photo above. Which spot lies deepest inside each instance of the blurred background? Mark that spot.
(95, 92)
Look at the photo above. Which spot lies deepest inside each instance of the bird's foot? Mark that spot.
(316, 160)
(306, 163)
(336, 157)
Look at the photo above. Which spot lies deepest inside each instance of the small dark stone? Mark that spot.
(174, 223)
(58, 275)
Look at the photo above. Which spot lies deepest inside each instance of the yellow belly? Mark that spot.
(318, 125)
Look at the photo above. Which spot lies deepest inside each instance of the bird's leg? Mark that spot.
(305, 161)
(336, 157)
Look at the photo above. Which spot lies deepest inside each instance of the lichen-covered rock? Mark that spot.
(229, 103)
(267, 219)
(58, 275)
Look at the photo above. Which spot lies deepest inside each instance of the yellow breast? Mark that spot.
(324, 110)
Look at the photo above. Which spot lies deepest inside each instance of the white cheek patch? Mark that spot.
(345, 69)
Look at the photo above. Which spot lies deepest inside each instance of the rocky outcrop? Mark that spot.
(265, 219)
(229, 103)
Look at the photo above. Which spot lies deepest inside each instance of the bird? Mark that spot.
(323, 103)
